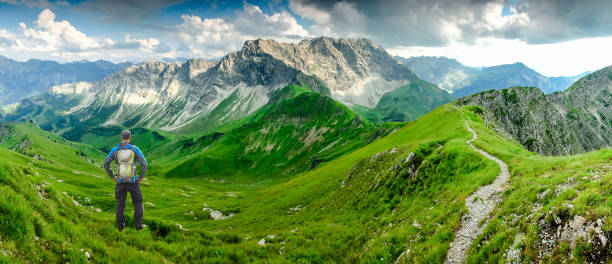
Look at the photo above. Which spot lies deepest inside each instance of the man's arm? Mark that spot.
(143, 163)
(109, 158)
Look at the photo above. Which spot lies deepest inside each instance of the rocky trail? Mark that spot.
(480, 204)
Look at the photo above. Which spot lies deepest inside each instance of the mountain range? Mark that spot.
(19, 80)
(462, 80)
(290, 153)
(199, 95)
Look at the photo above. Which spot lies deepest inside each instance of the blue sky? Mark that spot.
(555, 37)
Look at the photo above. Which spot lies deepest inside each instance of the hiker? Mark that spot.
(126, 180)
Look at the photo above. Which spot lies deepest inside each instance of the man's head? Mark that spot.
(126, 135)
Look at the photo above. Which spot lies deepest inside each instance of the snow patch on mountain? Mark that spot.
(368, 91)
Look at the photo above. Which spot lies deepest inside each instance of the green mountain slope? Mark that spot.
(556, 208)
(105, 138)
(399, 198)
(406, 103)
(60, 208)
(295, 132)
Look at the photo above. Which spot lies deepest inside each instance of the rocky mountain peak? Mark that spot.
(172, 95)
(356, 71)
(196, 66)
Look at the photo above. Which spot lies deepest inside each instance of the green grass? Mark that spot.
(532, 175)
(406, 103)
(284, 138)
(105, 138)
(363, 204)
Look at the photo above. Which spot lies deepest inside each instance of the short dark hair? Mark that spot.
(126, 134)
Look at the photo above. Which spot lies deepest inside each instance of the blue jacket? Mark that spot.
(112, 156)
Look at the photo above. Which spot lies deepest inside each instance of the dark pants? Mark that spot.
(121, 190)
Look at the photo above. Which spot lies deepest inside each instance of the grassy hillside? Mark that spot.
(399, 197)
(406, 103)
(260, 212)
(105, 138)
(544, 196)
(295, 132)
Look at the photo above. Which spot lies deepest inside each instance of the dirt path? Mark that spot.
(480, 204)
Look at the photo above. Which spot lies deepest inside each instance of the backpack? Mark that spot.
(126, 168)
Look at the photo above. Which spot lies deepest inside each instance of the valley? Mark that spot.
(324, 151)
(399, 198)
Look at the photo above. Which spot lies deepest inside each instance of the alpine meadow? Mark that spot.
(304, 131)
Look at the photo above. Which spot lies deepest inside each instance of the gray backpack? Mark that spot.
(126, 168)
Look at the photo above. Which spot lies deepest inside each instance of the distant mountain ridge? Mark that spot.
(576, 120)
(462, 80)
(199, 95)
(19, 80)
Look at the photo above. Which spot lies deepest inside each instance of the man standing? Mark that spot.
(126, 180)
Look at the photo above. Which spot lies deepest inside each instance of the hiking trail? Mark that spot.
(480, 204)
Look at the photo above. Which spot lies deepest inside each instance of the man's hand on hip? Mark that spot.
(115, 179)
(139, 180)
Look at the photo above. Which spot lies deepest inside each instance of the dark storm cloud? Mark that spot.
(433, 23)
(565, 20)
(126, 10)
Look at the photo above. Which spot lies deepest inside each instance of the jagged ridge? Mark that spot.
(199, 95)
(574, 121)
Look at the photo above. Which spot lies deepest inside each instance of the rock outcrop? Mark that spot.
(574, 121)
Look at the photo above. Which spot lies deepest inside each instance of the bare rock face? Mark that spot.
(574, 231)
(574, 121)
(355, 70)
(173, 95)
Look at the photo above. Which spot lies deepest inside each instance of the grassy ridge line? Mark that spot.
(212, 123)
(104, 138)
(295, 132)
(543, 188)
(161, 144)
(45, 144)
(40, 220)
(337, 221)
(380, 213)
(53, 208)
(406, 103)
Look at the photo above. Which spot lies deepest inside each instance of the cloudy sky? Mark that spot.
(553, 37)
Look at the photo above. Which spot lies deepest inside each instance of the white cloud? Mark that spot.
(252, 21)
(50, 35)
(148, 45)
(214, 37)
(343, 19)
(49, 38)
(211, 36)
(495, 20)
(557, 59)
(309, 11)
